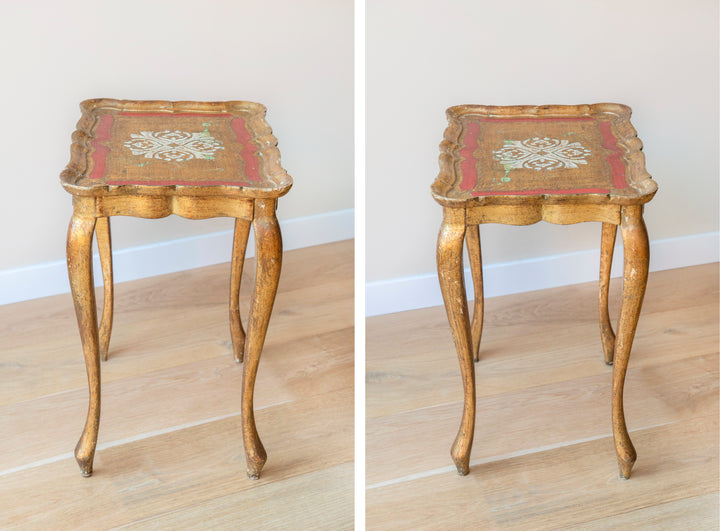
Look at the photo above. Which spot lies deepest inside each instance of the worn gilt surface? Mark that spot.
(519, 165)
(198, 160)
(125, 147)
(587, 154)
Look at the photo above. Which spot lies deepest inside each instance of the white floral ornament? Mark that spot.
(177, 146)
(541, 154)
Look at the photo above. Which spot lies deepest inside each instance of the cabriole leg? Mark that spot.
(102, 230)
(472, 238)
(635, 274)
(80, 273)
(268, 255)
(450, 274)
(240, 240)
(607, 246)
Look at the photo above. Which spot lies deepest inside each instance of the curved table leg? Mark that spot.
(450, 274)
(80, 273)
(102, 230)
(268, 255)
(472, 239)
(240, 240)
(635, 273)
(607, 246)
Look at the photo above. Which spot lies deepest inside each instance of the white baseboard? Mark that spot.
(422, 291)
(42, 280)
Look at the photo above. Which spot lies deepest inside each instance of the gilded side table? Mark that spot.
(519, 165)
(198, 160)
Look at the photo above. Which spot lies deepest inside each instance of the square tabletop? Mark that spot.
(505, 155)
(162, 147)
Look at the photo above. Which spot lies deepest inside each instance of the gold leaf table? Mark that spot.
(198, 160)
(518, 165)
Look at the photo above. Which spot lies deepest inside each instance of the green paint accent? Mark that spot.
(504, 178)
(141, 164)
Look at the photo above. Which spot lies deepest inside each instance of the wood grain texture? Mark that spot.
(535, 491)
(172, 438)
(544, 438)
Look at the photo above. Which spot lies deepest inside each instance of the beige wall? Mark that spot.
(660, 57)
(295, 56)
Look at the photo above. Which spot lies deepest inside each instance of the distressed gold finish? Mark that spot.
(472, 239)
(240, 240)
(244, 183)
(607, 246)
(495, 168)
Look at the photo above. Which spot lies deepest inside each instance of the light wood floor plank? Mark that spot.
(308, 505)
(543, 456)
(169, 321)
(150, 476)
(535, 342)
(170, 438)
(558, 488)
(698, 513)
(538, 417)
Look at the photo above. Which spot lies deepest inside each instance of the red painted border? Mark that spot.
(169, 114)
(249, 149)
(467, 166)
(100, 150)
(548, 191)
(469, 172)
(617, 167)
(539, 119)
(180, 183)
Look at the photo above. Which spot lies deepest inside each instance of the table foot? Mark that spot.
(254, 472)
(460, 454)
(86, 465)
(625, 468)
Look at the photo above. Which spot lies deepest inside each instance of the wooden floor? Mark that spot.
(170, 452)
(543, 455)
